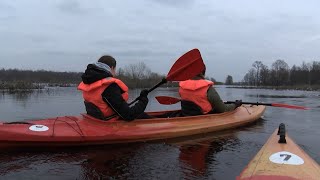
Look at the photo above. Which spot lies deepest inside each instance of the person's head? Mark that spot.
(203, 73)
(110, 61)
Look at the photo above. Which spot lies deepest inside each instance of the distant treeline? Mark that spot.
(133, 75)
(307, 74)
(140, 76)
(13, 79)
(39, 76)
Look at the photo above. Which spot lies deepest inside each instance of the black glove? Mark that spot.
(238, 103)
(143, 94)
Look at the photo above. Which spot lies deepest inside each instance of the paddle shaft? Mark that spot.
(172, 100)
(253, 103)
(186, 67)
(272, 104)
(164, 80)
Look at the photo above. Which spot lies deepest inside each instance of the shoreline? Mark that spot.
(301, 88)
(28, 87)
(25, 87)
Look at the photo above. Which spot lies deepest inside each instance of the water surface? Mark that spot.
(220, 155)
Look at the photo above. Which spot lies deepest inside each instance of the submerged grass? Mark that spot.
(19, 86)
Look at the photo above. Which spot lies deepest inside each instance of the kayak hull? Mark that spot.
(86, 130)
(286, 161)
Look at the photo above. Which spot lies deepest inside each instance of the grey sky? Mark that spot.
(66, 35)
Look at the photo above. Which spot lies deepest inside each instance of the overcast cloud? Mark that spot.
(66, 35)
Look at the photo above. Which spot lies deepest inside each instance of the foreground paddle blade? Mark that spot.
(289, 106)
(187, 66)
(166, 100)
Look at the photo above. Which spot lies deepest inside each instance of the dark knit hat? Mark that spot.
(108, 60)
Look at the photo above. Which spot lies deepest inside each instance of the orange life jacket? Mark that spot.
(196, 92)
(92, 93)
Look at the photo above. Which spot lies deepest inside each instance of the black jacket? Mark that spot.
(112, 95)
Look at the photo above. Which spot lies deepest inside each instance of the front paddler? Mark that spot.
(198, 97)
(106, 96)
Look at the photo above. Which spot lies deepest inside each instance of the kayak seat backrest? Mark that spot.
(93, 110)
(189, 108)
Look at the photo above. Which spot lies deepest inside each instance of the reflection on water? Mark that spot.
(111, 162)
(198, 156)
(274, 96)
(219, 155)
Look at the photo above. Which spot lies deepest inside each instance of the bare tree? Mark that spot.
(137, 71)
(137, 75)
(315, 73)
(294, 75)
(120, 72)
(249, 78)
(264, 75)
(229, 80)
(257, 65)
(280, 72)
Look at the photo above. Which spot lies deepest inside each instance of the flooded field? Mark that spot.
(220, 155)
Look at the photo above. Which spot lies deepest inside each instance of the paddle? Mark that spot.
(187, 66)
(166, 100)
(272, 104)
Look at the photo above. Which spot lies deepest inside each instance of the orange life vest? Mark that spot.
(196, 92)
(92, 93)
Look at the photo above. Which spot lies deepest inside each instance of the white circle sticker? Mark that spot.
(285, 157)
(38, 127)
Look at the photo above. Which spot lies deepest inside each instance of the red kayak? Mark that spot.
(281, 159)
(86, 130)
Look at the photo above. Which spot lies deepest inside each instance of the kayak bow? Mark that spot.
(281, 158)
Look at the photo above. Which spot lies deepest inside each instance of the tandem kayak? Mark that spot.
(86, 130)
(281, 158)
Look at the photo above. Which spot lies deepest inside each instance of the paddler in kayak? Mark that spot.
(199, 97)
(106, 96)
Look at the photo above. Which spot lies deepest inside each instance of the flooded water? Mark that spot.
(220, 155)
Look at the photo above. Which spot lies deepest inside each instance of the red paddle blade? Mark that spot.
(288, 106)
(186, 67)
(167, 100)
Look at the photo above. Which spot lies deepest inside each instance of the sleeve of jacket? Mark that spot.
(112, 96)
(217, 103)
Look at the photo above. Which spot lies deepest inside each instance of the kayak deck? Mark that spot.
(284, 160)
(86, 130)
